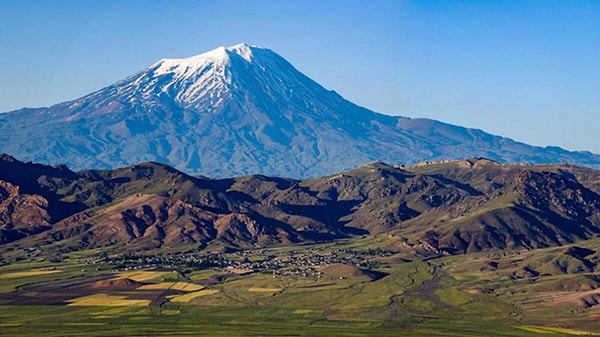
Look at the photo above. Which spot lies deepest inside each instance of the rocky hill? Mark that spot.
(448, 207)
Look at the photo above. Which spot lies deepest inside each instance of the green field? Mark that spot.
(475, 295)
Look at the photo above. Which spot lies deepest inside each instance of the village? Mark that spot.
(300, 262)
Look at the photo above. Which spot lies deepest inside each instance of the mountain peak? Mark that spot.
(184, 66)
(242, 110)
(221, 55)
(242, 72)
(244, 50)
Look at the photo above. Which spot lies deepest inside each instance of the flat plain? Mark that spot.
(484, 294)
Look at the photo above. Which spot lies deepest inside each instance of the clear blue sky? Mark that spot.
(528, 70)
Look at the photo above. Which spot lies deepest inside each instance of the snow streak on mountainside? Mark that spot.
(241, 110)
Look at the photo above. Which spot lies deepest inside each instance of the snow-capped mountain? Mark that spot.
(242, 110)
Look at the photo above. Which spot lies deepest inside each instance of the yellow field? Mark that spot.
(302, 311)
(32, 272)
(190, 296)
(142, 276)
(551, 330)
(264, 290)
(183, 286)
(100, 300)
(170, 312)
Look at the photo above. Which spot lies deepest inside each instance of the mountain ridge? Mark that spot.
(441, 208)
(242, 110)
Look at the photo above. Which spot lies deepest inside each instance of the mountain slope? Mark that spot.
(242, 110)
(453, 207)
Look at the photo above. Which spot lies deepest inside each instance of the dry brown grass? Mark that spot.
(142, 275)
(190, 296)
(182, 286)
(576, 297)
(101, 300)
(552, 330)
(32, 272)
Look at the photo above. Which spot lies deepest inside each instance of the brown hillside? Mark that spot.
(450, 207)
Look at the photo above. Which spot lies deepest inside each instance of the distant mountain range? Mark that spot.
(440, 208)
(242, 110)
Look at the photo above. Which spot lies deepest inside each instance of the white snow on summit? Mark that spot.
(196, 76)
(213, 78)
(243, 50)
(186, 66)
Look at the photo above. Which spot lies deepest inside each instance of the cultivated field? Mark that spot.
(476, 295)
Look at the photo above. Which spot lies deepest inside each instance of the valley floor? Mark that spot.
(486, 294)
